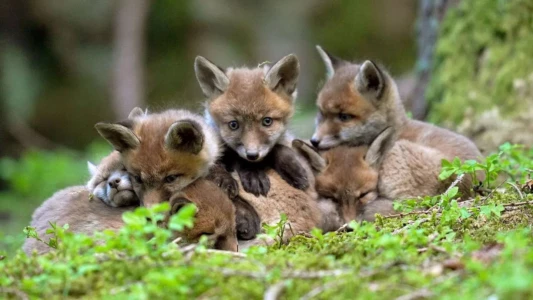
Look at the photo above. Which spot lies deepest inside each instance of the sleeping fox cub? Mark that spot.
(85, 214)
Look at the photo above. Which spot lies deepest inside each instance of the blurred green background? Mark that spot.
(69, 64)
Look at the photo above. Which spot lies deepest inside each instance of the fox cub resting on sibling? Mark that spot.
(358, 102)
(165, 154)
(78, 207)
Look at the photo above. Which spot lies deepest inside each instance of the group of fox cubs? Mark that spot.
(241, 168)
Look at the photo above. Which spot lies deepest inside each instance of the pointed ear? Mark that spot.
(186, 136)
(370, 80)
(283, 76)
(136, 112)
(317, 162)
(379, 147)
(211, 78)
(92, 168)
(119, 136)
(331, 62)
(178, 203)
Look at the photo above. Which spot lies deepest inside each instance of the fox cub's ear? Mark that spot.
(211, 78)
(185, 135)
(119, 136)
(92, 168)
(283, 76)
(379, 147)
(317, 162)
(178, 203)
(331, 62)
(370, 80)
(136, 112)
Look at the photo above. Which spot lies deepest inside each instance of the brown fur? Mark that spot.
(370, 96)
(347, 183)
(171, 144)
(250, 109)
(73, 206)
(300, 206)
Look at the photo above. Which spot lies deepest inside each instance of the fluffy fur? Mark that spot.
(163, 152)
(84, 214)
(250, 110)
(359, 101)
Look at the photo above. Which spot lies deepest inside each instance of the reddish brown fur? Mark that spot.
(74, 206)
(373, 115)
(247, 95)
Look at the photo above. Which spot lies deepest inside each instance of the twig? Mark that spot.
(15, 292)
(230, 253)
(422, 293)
(402, 229)
(290, 274)
(416, 212)
(508, 207)
(517, 190)
(320, 289)
(455, 182)
(275, 290)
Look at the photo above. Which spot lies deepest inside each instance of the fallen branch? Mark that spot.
(274, 291)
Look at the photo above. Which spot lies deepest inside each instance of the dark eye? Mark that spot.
(345, 117)
(171, 178)
(364, 194)
(137, 178)
(233, 125)
(207, 233)
(267, 121)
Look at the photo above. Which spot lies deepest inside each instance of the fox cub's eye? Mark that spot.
(171, 178)
(345, 117)
(137, 178)
(267, 121)
(233, 125)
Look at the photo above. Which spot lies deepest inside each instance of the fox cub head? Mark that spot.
(163, 152)
(249, 107)
(348, 175)
(357, 102)
(111, 184)
(215, 215)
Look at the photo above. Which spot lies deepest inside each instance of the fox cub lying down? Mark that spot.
(358, 102)
(86, 214)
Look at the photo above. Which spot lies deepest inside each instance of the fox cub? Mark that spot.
(346, 180)
(85, 214)
(110, 182)
(250, 109)
(163, 152)
(359, 101)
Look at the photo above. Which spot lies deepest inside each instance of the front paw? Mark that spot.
(224, 180)
(247, 220)
(255, 182)
(288, 166)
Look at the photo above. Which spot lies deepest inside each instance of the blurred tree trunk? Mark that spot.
(430, 15)
(128, 57)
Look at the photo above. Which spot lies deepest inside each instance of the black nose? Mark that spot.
(114, 183)
(252, 155)
(315, 142)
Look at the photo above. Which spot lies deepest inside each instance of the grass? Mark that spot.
(436, 247)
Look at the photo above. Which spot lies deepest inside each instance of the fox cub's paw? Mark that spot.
(113, 187)
(247, 220)
(221, 177)
(285, 162)
(254, 180)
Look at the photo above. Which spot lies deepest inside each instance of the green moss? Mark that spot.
(483, 59)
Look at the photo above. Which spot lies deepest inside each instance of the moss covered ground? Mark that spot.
(436, 247)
